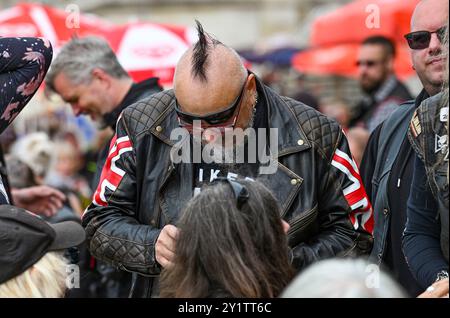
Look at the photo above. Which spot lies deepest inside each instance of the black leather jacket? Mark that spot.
(112, 282)
(137, 92)
(141, 190)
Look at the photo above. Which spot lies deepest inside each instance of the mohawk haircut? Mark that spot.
(200, 52)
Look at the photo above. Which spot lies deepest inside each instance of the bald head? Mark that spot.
(208, 77)
(425, 10)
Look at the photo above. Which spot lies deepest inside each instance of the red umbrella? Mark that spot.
(149, 49)
(36, 20)
(335, 37)
(144, 49)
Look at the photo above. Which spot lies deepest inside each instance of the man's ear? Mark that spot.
(101, 75)
(251, 82)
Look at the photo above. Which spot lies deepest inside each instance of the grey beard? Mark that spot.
(251, 123)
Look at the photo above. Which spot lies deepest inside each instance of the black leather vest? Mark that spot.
(428, 135)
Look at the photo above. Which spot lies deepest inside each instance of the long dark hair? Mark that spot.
(223, 251)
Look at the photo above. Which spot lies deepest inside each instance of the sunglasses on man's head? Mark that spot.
(240, 192)
(217, 119)
(420, 40)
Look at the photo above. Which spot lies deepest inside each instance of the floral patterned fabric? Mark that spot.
(23, 65)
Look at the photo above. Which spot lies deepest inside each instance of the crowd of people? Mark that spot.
(304, 199)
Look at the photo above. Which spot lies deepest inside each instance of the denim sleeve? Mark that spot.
(421, 238)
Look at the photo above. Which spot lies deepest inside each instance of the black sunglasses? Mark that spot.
(420, 40)
(211, 118)
(368, 63)
(240, 191)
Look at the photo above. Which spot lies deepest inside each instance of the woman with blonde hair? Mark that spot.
(45, 279)
(31, 263)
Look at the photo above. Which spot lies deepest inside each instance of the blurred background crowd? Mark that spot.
(286, 43)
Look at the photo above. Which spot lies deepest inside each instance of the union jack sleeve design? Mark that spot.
(354, 192)
(111, 173)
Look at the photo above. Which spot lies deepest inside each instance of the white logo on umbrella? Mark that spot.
(150, 47)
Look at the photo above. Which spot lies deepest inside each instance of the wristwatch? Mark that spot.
(441, 275)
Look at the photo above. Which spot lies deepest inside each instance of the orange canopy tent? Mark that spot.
(335, 37)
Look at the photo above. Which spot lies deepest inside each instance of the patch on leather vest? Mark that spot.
(440, 144)
(443, 116)
(415, 127)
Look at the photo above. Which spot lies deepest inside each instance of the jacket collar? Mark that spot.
(134, 93)
(420, 98)
(280, 115)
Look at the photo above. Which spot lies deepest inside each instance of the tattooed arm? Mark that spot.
(23, 65)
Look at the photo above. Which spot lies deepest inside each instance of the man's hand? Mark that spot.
(41, 200)
(437, 290)
(165, 245)
(286, 226)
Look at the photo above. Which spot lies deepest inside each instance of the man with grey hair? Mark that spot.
(88, 76)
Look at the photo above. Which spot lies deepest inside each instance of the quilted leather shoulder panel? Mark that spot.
(321, 130)
(140, 116)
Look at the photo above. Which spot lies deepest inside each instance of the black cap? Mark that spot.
(25, 238)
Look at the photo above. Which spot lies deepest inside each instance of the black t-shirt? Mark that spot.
(205, 173)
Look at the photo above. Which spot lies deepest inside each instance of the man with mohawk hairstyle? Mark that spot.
(131, 222)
